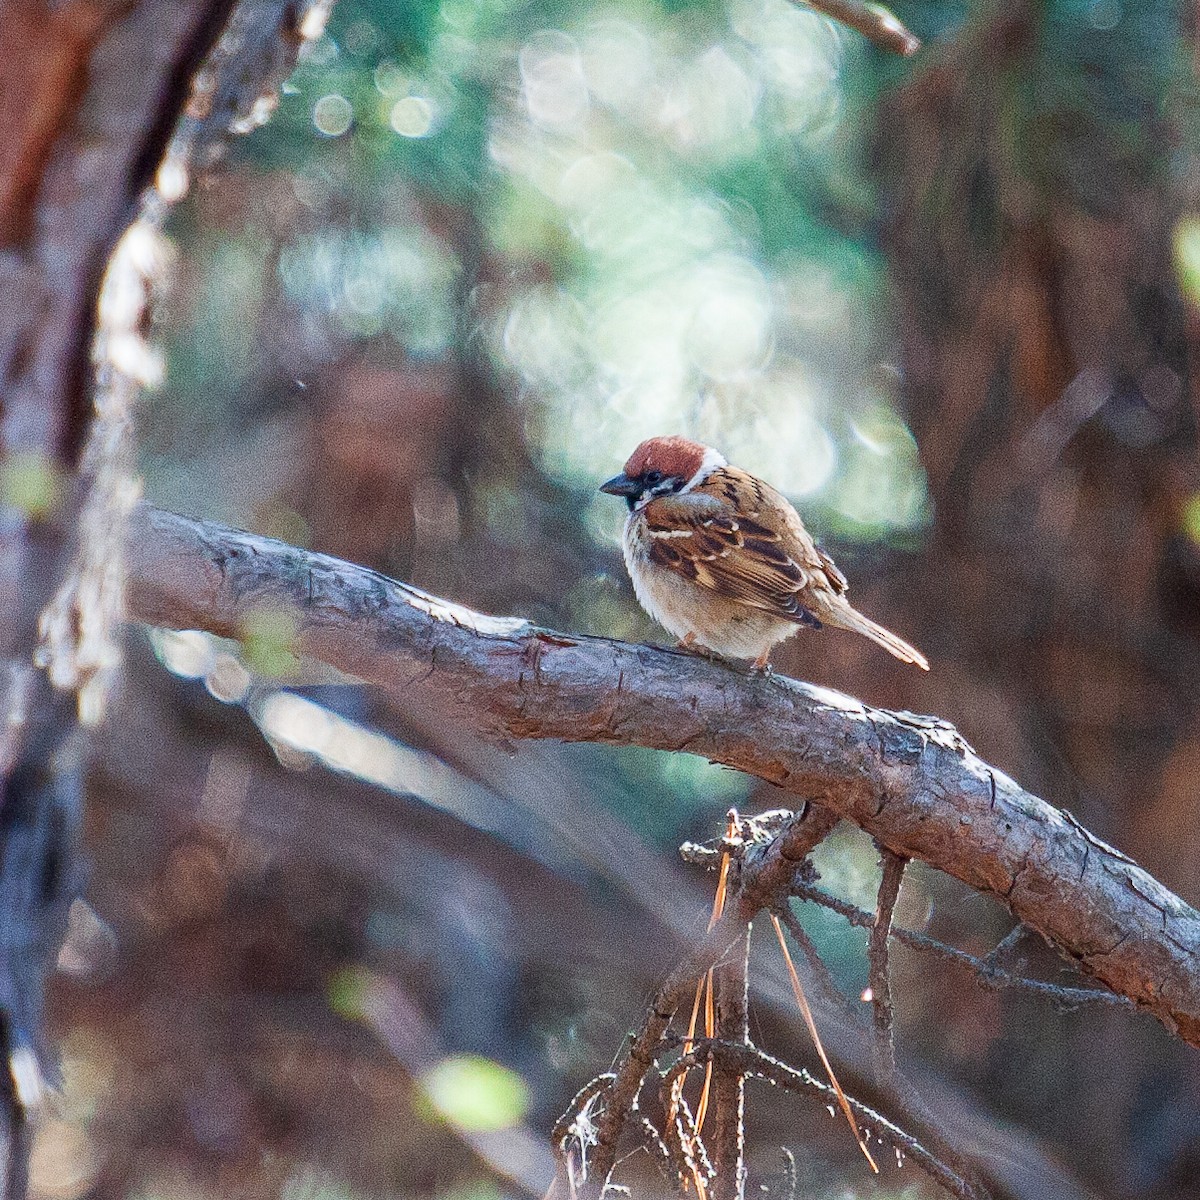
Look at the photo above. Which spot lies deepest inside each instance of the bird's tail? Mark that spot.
(847, 617)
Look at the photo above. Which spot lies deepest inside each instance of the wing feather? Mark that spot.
(764, 558)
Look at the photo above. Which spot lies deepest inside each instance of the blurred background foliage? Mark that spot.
(336, 949)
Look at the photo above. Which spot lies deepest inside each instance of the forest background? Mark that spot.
(947, 303)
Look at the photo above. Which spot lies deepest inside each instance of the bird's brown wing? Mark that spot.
(763, 558)
(837, 581)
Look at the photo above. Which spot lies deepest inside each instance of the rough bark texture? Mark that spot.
(909, 781)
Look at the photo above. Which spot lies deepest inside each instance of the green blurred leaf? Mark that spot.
(1187, 257)
(348, 992)
(269, 642)
(475, 1093)
(29, 481)
(1191, 517)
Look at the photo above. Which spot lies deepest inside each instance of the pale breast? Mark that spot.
(727, 626)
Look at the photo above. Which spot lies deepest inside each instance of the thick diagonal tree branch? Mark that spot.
(911, 782)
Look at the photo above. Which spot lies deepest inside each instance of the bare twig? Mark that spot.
(653, 1141)
(728, 1139)
(909, 1105)
(619, 1096)
(873, 21)
(754, 1062)
(1005, 949)
(579, 1102)
(821, 974)
(789, 1172)
(685, 1147)
(878, 975)
(984, 971)
(911, 782)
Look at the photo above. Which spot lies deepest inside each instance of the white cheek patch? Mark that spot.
(708, 464)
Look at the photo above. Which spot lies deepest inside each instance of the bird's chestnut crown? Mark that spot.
(661, 466)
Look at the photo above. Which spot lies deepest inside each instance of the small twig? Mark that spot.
(789, 1172)
(1006, 945)
(677, 1140)
(654, 1143)
(706, 987)
(908, 1102)
(728, 1089)
(821, 974)
(776, 865)
(987, 975)
(873, 21)
(685, 1147)
(878, 975)
(754, 1062)
(806, 1013)
(578, 1103)
(562, 1127)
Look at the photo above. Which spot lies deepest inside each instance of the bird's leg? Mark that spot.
(689, 643)
(760, 666)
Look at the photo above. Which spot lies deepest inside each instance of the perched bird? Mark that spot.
(723, 561)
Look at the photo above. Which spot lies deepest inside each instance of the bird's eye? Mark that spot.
(653, 477)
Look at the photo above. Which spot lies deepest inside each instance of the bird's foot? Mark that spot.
(690, 645)
(760, 666)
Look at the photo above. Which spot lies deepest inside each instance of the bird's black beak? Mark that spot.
(622, 485)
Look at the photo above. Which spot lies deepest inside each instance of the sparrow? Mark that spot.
(722, 560)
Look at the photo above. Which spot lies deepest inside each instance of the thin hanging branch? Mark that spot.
(755, 1063)
(984, 970)
(878, 974)
(911, 782)
(728, 1141)
(873, 21)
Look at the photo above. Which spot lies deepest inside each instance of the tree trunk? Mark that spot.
(90, 96)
